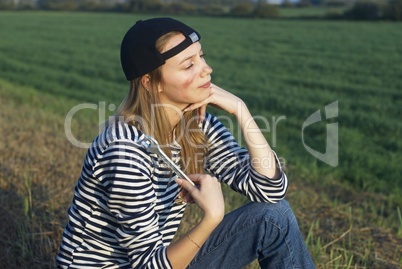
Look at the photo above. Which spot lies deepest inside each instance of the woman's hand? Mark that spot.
(219, 98)
(207, 195)
(257, 145)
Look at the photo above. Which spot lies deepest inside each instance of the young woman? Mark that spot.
(128, 203)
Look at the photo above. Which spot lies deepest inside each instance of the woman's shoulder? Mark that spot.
(209, 119)
(118, 141)
(118, 132)
(212, 122)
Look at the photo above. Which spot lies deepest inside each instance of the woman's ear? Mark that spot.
(160, 89)
(146, 81)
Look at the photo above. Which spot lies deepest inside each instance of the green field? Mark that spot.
(350, 214)
(313, 12)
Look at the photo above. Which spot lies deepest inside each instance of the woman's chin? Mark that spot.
(203, 94)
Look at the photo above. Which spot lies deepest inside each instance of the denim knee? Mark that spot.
(280, 210)
(287, 249)
(279, 214)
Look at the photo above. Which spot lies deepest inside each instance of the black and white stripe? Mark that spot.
(123, 213)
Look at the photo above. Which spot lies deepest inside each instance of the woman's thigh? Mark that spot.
(268, 232)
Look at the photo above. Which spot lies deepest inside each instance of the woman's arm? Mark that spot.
(208, 196)
(124, 171)
(131, 197)
(262, 158)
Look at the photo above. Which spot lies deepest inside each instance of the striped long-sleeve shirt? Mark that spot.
(124, 214)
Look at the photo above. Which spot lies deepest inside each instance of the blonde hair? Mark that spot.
(140, 109)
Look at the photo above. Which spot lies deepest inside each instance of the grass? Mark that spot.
(350, 215)
(305, 66)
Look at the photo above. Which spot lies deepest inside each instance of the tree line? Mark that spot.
(191, 7)
(354, 10)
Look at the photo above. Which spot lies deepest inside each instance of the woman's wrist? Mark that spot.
(240, 108)
(211, 220)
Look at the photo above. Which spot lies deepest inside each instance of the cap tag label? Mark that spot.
(194, 37)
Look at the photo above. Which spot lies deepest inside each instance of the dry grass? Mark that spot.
(348, 234)
(38, 170)
(343, 228)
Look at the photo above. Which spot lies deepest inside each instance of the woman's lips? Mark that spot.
(206, 85)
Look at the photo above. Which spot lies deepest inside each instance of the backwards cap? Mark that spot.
(138, 53)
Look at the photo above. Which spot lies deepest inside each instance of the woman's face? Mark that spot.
(186, 76)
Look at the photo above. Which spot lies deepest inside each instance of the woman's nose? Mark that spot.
(206, 70)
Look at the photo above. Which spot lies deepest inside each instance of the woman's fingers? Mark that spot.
(204, 102)
(219, 98)
(202, 111)
(185, 195)
(207, 194)
(186, 185)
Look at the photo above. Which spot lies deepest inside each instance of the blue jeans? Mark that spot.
(267, 232)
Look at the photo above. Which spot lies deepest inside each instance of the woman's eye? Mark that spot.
(189, 66)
